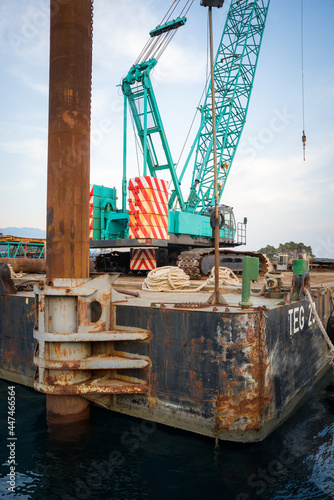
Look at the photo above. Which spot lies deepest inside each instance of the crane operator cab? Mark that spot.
(226, 221)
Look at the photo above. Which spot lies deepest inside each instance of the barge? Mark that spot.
(224, 371)
(233, 369)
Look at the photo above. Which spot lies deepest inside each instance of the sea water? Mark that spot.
(117, 457)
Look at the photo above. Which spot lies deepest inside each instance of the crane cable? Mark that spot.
(137, 143)
(170, 11)
(303, 97)
(147, 52)
(155, 46)
(152, 42)
(207, 78)
(170, 35)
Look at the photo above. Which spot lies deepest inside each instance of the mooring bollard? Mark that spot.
(250, 272)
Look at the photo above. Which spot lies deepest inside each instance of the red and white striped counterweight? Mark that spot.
(143, 259)
(148, 208)
(148, 218)
(91, 208)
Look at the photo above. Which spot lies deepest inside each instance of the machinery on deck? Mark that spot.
(14, 247)
(190, 220)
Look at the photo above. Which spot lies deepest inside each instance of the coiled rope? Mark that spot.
(266, 278)
(172, 278)
(13, 274)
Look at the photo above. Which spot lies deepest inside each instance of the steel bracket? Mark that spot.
(76, 338)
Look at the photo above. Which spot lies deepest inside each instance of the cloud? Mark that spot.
(121, 32)
(284, 199)
(25, 34)
(178, 63)
(287, 180)
(34, 148)
(39, 83)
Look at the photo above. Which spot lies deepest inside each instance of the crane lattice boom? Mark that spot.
(234, 72)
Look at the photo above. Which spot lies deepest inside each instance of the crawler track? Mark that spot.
(199, 261)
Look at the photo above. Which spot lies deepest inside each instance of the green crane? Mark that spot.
(234, 70)
(138, 92)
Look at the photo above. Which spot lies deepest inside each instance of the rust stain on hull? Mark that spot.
(10, 353)
(242, 402)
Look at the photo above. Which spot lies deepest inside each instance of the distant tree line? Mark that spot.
(292, 249)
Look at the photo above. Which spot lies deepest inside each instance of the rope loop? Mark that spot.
(13, 274)
(321, 326)
(267, 277)
(171, 278)
(163, 279)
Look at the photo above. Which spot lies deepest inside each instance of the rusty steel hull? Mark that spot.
(17, 345)
(230, 374)
(235, 376)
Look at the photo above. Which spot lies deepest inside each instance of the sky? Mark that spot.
(283, 197)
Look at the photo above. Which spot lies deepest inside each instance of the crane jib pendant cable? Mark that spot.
(303, 97)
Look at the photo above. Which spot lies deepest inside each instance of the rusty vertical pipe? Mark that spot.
(69, 139)
(215, 169)
(216, 297)
(69, 161)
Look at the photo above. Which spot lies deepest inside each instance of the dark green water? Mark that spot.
(118, 457)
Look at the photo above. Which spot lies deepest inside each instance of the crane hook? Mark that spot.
(304, 143)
